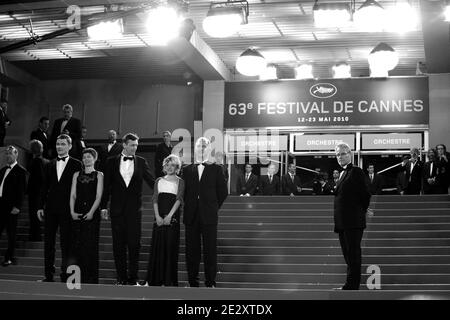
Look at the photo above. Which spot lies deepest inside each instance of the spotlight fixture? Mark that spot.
(225, 18)
(382, 59)
(342, 70)
(304, 71)
(251, 63)
(370, 17)
(106, 30)
(402, 17)
(269, 73)
(329, 15)
(163, 24)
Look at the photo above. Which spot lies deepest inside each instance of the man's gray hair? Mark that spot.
(415, 150)
(342, 146)
(67, 106)
(203, 140)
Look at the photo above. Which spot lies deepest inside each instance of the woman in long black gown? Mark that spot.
(167, 203)
(87, 189)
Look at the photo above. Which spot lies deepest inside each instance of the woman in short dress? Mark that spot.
(86, 193)
(167, 203)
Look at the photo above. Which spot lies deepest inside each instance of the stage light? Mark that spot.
(106, 30)
(447, 12)
(342, 70)
(163, 24)
(401, 18)
(251, 63)
(370, 17)
(331, 15)
(225, 18)
(269, 73)
(382, 59)
(304, 71)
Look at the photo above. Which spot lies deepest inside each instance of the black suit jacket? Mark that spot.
(125, 200)
(55, 195)
(74, 128)
(162, 151)
(249, 187)
(14, 186)
(288, 186)
(375, 185)
(38, 134)
(428, 174)
(326, 189)
(36, 168)
(413, 180)
(3, 120)
(105, 154)
(267, 188)
(352, 198)
(203, 199)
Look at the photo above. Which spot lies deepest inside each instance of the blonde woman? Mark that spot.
(167, 203)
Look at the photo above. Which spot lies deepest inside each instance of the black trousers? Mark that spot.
(53, 222)
(8, 221)
(196, 234)
(350, 240)
(126, 233)
(35, 224)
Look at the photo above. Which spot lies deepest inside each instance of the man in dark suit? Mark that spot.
(70, 126)
(247, 183)
(124, 176)
(36, 168)
(54, 206)
(321, 185)
(443, 162)
(373, 180)
(206, 190)
(333, 182)
(41, 134)
(413, 173)
(12, 191)
(4, 121)
(269, 184)
(430, 174)
(351, 205)
(162, 151)
(290, 182)
(112, 149)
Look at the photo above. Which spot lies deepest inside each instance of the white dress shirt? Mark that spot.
(247, 176)
(431, 169)
(110, 145)
(200, 169)
(292, 176)
(63, 125)
(126, 169)
(342, 172)
(60, 166)
(8, 170)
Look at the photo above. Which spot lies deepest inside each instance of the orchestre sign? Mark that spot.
(322, 142)
(330, 102)
(256, 143)
(394, 141)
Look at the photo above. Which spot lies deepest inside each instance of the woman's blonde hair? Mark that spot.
(172, 159)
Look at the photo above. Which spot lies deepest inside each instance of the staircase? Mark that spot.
(288, 243)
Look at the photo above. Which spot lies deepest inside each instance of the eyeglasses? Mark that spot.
(341, 154)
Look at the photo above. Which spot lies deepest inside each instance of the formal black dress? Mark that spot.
(163, 261)
(85, 234)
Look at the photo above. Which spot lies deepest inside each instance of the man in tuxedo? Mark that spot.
(334, 181)
(205, 191)
(83, 137)
(41, 135)
(430, 174)
(54, 209)
(247, 183)
(373, 180)
(290, 182)
(36, 168)
(163, 150)
(124, 176)
(4, 121)
(12, 191)
(413, 173)
(443, 162)
(351, 205)
(112, 149)
(269, 184)
(70, 126)
(321, 185)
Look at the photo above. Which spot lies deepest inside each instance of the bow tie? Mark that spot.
(128, 158)
(8, 167)
(62, 158)
(205, 163)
